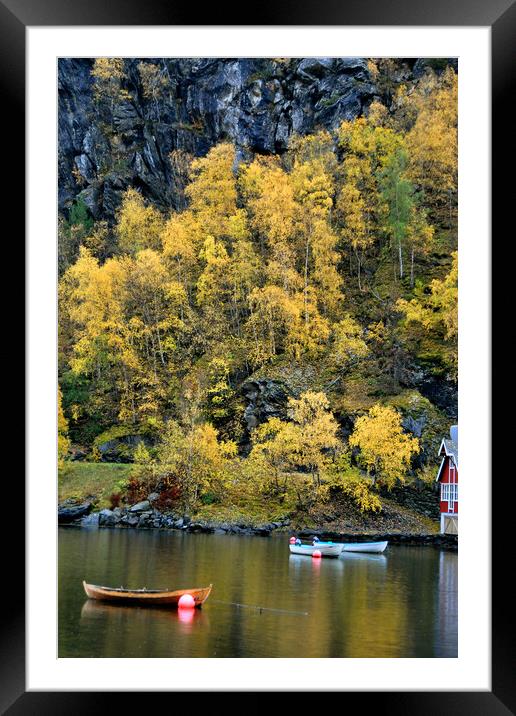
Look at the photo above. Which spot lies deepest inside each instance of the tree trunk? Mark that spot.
(306, 282)
(358, 270)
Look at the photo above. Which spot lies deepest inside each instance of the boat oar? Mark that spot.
(261, 609)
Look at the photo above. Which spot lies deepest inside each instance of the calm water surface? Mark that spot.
(402, 603)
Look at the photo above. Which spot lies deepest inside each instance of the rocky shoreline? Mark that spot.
(144, 516)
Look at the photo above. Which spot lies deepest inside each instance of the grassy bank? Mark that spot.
(92, 480)
(340, 515)
(98, 481)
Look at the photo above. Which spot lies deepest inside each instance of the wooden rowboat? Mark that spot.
(326, 549)
(145, 597)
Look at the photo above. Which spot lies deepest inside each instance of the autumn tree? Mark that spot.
(398, 195)
(63, 441)
(245, 272)
(218, 391)
(181, 165)
(182, 240)
(268, 322)
(419, 237)
(196, 459)
(349, 346)
(433, 141)
(109, 75)
(317, 147)
(269, 197)
(138, 226)
(356, 215)
(341, 475)
(155, 82)
(156, 303)
(314, 190)
(99, 240)
(385, 450)
(274, 452)
(126, 319)
(368, 150)
(306, 441)
(317, 429)
(212, 194)
(437, 312)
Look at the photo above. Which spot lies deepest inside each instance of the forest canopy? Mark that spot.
(331, 266)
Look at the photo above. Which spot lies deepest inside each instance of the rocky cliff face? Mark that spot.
(255, 103)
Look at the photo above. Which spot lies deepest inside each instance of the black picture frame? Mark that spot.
(500, 16)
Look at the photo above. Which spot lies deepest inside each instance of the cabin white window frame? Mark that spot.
(450, 494)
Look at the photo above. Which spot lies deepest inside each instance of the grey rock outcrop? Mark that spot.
(266, 399)
(143, 506)
(120, 449)
(67, 513)
(255, 103)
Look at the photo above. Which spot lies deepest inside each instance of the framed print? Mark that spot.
(255, 237)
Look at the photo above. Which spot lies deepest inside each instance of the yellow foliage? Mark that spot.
(213, 194)
(154, 80)
(138, 226)
(181, 240)
(360, 492)
(316, 147)
(317, 429)
(384, 448)
(280, 321)
(212, 286)
(63, 441)
(349, 346)
(108, 74)
(313, 188)
(269, 197)
(126, 314)
(438, 310)
(432, 141)
(306, 442)
(375, 143)
(197, 459)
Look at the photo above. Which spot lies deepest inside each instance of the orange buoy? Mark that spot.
(317, 554)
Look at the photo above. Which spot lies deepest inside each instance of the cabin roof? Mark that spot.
(449, 448)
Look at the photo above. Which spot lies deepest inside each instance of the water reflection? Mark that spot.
(402, 603)
(376, 559)
(446, 593)
(115, 620)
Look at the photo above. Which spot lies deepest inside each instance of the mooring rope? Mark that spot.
(261, 609)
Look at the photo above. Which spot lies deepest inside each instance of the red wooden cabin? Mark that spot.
(448, 478)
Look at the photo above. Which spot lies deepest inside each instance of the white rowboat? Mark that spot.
(375, 547)
(326, 550)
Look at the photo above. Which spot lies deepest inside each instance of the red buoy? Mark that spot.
(317, 554)
(186, 601)
(186, 616)
(292, 540)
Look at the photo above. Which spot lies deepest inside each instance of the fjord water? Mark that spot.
(264, 603)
